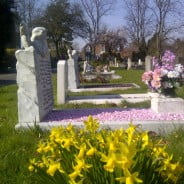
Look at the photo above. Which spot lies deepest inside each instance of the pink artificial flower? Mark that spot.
(147, 76)
(157, 75)
(156, 84)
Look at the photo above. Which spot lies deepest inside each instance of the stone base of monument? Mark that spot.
(163, 104)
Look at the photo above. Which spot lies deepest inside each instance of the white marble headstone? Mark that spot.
(35, 96)
(129, 64)
(73, 71)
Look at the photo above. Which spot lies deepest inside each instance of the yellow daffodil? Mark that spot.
(53, 167)
(81, 165)
(91, 124)
(70, 127)
(132, 178)
(74, 175)
(130, 132)
(145, 139)
(124, 162)
(86, 155)
(82, 151)
(31, 168)
(91, 151)
(110, 161)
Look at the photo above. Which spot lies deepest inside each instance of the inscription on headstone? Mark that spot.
(44, 85)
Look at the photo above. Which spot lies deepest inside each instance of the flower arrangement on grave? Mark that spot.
(166, 76)
(93, 155)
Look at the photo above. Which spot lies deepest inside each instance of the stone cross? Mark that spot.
(35, 96)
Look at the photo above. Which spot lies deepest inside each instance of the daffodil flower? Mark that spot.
(132, 178)
(53, 167)
(145, 139)
(91, 151)
(82, 151)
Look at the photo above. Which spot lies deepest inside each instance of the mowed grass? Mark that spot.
(127, 76)
(18, 146)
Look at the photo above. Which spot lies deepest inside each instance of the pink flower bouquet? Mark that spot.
(166, 75)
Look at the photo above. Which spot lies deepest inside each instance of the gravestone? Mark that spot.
(111, 63)
(115, 62)
(61, 82)
(148, 63)
(73, 71)
(129, 64)
(139, 62)
(35, 96)
(87, 68)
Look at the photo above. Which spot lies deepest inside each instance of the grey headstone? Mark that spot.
(148, 63)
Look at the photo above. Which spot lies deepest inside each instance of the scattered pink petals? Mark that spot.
(111, 114)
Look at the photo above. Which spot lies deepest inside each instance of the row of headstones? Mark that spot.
(148, 63)
(67, 77)
(35, 96)
(34, 81)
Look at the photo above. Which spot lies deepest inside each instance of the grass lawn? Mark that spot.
(17, 147)
(128, 76)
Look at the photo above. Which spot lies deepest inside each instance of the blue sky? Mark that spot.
(116, 18)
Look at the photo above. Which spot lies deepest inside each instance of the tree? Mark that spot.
(28, 10)
(63, 21)
(95, 10)
(167, 16)
(138, 20)
(114, 41)
(7, 31)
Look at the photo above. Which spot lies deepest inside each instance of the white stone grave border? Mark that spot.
(160, 127)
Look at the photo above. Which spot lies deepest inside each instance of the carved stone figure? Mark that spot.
(39, 41)
(69, 52)
(75, 55)
(24, 42)
(72, 54)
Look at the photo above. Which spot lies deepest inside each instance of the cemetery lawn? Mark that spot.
(128, 76)
(18, 146)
